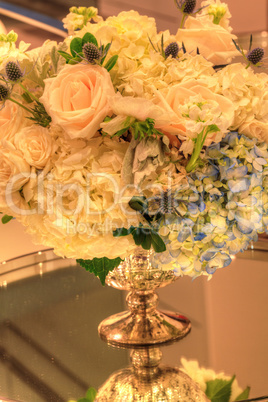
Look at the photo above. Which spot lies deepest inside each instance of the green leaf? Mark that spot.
(84, 400)
(157, 243)
(111, 62)
(91, 394)
(212, 128)
(219, 390)
(123, 231)
(162, 46)
(147, 242)
(89, 38)
(107, 48)
(76, 46)
(250, 43)
(138, 204)
(6, 219)
(75, 60)
(243, 395)
(121, 132)
(27, 97)
(100, 266)
(67, 56)
(138, 236)
(237, 46)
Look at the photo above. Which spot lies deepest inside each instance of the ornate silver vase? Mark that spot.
(142, 324)
(146, 381)
(141, 329)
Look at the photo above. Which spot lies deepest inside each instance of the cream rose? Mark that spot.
(213, 41)
(36, 145)
(195, 106)
(76, 99)
(255, 129)
(138, 108)
(11, 120)
(14, 173)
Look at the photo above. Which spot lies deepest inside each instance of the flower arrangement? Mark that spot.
(121, 136)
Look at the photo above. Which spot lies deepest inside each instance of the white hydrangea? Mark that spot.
(202, 375)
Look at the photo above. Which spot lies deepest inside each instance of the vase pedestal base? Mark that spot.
(146, 381)
(128, 330)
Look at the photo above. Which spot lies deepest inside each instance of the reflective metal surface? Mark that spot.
(146, 381)
(143, 324)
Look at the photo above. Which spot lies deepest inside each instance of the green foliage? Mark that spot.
(89, 38)
(158, 49)
(6, 218)
(199, 143)
(76, 46)
(139, 129)
(219, 390)
(39, 115)
(146, 237)
(100, 267)
(111, 62)
(243, 395)
(77, 55)
(91, 394)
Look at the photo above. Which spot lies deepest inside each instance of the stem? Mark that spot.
(29, 93)
(18, 103)
(195, 155)
(182, 20)
(248, 65)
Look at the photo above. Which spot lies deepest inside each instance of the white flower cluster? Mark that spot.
(109, 134)
(202, 375)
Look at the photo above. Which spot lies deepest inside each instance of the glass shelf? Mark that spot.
(49, 345)
(50, 311)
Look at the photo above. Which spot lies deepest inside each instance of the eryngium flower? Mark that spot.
(4, 92)
(187, 6)
(256, 55)
(91, 52)
(172, 50)
(13, 71)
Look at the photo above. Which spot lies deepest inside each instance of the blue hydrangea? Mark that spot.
(224, 207)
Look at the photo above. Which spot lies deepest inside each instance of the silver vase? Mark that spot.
(147, 381)
(142, 324)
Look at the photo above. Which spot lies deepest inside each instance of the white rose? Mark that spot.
(213, 41)
(138, 108)
(255, 129)
(11, 120)
(14, 173)
(76, 99)
(36, 145)
(195, 107)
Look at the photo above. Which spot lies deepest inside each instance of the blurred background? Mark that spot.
(247, 16)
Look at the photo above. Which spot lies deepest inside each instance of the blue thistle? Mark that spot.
(172, 50)
(13, 71)
(255, 55)
(186, 6)
(91, 52)
(189, 6)
(4, 93)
